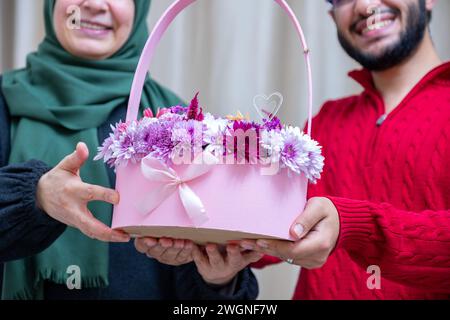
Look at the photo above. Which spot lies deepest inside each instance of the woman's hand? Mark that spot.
(64, 196)
(317, 229)
(167, 251)
(220, 268)
(215, 267)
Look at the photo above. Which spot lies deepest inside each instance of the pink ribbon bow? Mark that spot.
(156, 171)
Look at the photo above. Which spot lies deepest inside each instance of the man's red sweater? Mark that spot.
(390, 183)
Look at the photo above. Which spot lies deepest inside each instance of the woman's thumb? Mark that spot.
(74, 161)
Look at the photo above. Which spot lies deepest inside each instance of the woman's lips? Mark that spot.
(94, 29)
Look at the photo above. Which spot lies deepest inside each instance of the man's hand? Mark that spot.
(317, 230)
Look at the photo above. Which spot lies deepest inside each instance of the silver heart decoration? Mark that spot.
(267, 107)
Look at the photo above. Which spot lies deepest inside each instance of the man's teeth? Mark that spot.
(88, 25)
(377, 26)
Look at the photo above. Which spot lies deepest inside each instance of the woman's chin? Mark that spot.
(97, 52)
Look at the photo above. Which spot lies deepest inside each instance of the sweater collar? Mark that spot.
(365, 79)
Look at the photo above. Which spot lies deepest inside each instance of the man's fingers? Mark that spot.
(73, 162)
(95, 229)
(90, 192)
(313, 213)
(314, 243)
(276, 248)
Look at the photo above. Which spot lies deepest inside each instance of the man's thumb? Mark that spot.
(305, 221)
(74, 161)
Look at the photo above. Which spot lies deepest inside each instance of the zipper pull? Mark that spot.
(381, 120)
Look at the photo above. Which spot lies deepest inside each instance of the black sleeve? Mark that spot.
(24, 229)
(189, 285)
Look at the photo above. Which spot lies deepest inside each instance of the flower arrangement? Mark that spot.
(182, 132)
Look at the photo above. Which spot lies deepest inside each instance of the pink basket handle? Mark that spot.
(159, 30)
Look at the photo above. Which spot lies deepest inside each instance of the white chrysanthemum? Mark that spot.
(294, 150)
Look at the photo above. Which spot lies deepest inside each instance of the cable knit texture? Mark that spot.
(391, 187)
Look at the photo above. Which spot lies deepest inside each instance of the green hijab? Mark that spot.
(55, 102)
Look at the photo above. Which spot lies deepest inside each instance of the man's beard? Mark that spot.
(395, 54)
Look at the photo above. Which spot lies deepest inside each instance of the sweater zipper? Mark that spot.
(381, 118)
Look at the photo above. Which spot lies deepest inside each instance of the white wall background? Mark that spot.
(231, 50)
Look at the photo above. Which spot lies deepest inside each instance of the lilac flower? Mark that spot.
(188, 133)
(127, 145)
(157, 139)
(187, 139)
(274, 124)
(106, 151)
(171, 117)
(178, 110)
(301, 154)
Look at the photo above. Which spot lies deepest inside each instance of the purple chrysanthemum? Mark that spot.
(274, 124)
(156, 138)
(251, 133)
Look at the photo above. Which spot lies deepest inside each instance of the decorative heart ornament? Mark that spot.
(268, 106)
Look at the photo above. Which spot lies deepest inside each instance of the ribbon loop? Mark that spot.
(157, 171)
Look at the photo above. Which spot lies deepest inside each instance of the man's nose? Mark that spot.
(366, 7)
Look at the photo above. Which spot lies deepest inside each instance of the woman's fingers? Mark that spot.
(252, 257)
(215, 257)
(234, 256)
(142, 245)
(169, 256)
(95, 229)
(168, 251)
(156, 251)
(238, 259)
(185, 255)
(200, 259)
(88, 192)
(74, 161)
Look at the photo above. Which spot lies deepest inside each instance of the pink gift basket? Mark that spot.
(213, 198)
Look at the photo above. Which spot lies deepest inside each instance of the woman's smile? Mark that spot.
(104, 27)
(94, 29)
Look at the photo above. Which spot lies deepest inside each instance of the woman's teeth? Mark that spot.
(88, 25)
(377, 26)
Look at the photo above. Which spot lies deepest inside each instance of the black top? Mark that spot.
(25, 230)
